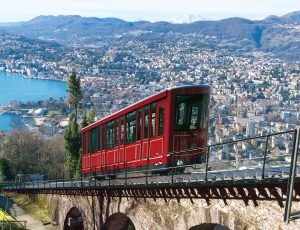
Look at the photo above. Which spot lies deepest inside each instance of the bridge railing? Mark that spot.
(257, 158)
(259, 152)
(13, 224)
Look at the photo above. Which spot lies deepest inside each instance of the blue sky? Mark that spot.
(153, 10)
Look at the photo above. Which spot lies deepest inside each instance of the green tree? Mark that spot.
(72, 135)
(78, 168)
(5, 170)
(92, 116)
(72, 144)
(84, 121)
(75, 94)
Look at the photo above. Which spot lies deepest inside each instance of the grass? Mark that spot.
(5, 221)
(4, 216)
(53, 112)
(36, 205)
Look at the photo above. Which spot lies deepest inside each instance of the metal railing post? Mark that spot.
(81, 180)
(109, 179)
(95, 182)
(265, 157)
(147, 168)
(63, 179)
(71, 179)
(291, 180)
(55, 180)
(206, 166)
(126, 168)
(173, 172)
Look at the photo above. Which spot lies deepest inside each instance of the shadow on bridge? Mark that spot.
(206, 226)
(118, 221)
(74, 220)
(251, 192)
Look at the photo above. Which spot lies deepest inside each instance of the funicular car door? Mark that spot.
(145, 135)
(117, 146)
(132, 147)
(156, 146)
(122, 141)
(139, 140)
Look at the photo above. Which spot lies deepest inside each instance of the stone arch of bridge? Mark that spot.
(209, 226)
(207, 218)
(118, 221)
(74, 220)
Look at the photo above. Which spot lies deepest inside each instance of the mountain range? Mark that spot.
(278, 35)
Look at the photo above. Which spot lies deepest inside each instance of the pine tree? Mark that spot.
(75, 95)
(92, 116)
(72, 135)
(72, 144)
(84, 121)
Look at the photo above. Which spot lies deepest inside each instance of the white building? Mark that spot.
(250, 129)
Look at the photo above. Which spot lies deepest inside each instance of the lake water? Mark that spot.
(16, 87)
(7, 121)
(19, 88)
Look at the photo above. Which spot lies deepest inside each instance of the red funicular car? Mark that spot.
(169, 127)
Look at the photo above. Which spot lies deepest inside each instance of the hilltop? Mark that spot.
(279, 35)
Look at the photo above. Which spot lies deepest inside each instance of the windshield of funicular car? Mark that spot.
(191, 112)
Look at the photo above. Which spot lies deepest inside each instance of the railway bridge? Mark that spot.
(263, 193)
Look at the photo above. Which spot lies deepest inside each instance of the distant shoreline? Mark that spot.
(12, 115)
(20, 118)
(27, 77)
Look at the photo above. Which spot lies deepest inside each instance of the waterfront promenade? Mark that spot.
(5, 109)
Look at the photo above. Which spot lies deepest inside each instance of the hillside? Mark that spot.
(278, 35)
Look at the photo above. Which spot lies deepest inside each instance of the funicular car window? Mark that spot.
(130, 127)
(122, 131)
(110, 134)
(194, 118)
(98, 137)
(203, 116)
(191, 112)
(161, 122)
(117, 132)
(103, 137)
(153, 119)
(146, 114)
(89, 141)
(139, 126)
(84, 143)
(95, 140)
(181, 114)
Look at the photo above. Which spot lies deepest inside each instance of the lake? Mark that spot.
(19, 88)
